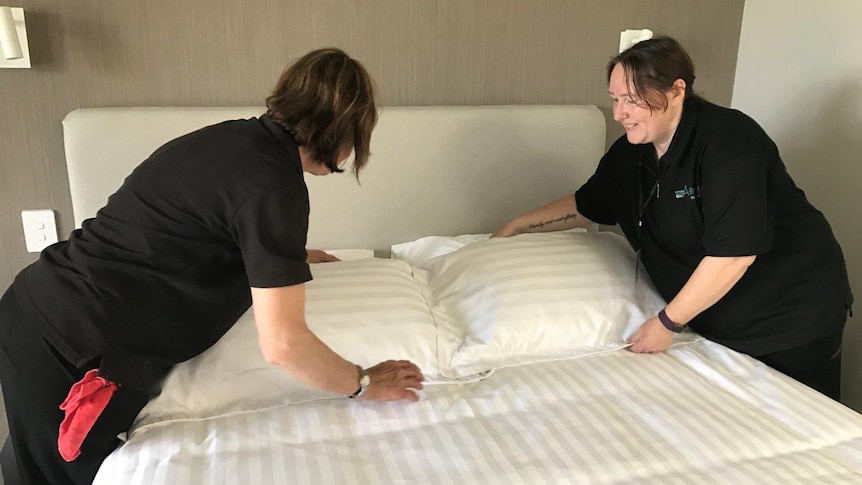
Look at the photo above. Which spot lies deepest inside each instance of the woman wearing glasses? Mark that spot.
(730, 242)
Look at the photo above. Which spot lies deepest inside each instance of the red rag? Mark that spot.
(86, 400)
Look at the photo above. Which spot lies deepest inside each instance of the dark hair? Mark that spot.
(652, 66)
(325, 100)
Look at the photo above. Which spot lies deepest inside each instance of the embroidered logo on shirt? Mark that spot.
(686, 191)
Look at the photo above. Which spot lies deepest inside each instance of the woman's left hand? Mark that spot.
(318, 256)
(651, 337)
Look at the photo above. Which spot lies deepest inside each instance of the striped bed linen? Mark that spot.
(696, 414)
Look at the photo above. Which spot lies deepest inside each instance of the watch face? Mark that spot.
(365, 380)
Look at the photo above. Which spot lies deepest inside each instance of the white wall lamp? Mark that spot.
(14, 50)
(631, 37)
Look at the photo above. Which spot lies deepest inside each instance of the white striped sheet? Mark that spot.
(251, 459)
(613, 418)
(321, 471)
(637, 439)
(473, 444)
(350, 473)
(277, 456)
(553, 457)
(783, 399)
(381, 453)
(711, 413)
(572, 446)
(796, 468)
(704, 417)
(449, 462)
(412, 465)
(647, 401)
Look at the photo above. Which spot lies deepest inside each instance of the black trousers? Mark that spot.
(816, 364)
(36, 379)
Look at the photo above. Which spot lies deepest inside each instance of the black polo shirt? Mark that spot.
(722, 190)
(164, 269)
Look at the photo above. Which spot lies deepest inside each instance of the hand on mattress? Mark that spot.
(651, 337)
(507, 230)
(318, 256)
(394, 380)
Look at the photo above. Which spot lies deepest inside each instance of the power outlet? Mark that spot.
(40, 229)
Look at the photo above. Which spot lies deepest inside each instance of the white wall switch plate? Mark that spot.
(40, 229)
(631, 37)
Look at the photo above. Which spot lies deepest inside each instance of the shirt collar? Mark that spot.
(284, 138)
(684, 133)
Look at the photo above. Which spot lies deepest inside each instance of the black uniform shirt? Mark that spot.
(164, 269)
(722, 190)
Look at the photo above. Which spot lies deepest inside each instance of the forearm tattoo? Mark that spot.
(540, 225)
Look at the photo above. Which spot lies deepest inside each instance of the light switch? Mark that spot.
(40, 229)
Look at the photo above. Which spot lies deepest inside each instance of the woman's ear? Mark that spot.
(677, 91)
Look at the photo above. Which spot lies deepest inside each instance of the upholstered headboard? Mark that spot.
(433, 170)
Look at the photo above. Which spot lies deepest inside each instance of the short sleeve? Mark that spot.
(270, 229)
(737, 206)
(592, 198)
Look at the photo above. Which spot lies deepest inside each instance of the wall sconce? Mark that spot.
(14, 50)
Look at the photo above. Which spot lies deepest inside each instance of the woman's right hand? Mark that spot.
(394, 380)
(508, 230)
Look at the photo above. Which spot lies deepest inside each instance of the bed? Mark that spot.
(522, 341)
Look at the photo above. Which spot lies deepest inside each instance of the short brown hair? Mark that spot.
(652, 66)
(326, 100)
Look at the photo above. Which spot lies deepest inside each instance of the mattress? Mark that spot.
(528, 380)
(698, 413)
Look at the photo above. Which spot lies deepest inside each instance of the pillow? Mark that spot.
(418, 251)
(534, 297)
(351, 254)
(368, 311)
(372, 310)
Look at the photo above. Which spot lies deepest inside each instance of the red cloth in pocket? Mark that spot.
(86, 400)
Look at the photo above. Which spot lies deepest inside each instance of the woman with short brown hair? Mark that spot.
(326, 101)
(210, 223)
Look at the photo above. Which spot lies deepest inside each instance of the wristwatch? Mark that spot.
(364, 382)
(670, 324)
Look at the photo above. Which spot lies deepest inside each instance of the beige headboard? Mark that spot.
(433, 171)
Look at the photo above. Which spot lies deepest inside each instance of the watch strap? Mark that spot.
(668, 323)
(363, 383)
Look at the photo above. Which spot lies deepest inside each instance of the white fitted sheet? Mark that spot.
(699, 413)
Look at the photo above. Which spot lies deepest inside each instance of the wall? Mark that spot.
(217, 52)
(799, 74)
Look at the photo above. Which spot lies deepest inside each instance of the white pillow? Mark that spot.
(372, 310)
(351, 254)
(368, 311)
(417, 252)
(534, 297)
(421, 250)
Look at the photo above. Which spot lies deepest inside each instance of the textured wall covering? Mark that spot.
(215, 52)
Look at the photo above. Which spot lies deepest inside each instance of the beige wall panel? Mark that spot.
(89, 53)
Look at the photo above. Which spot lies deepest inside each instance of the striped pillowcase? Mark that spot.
(372, 310)
(534, 297)
(368, 311)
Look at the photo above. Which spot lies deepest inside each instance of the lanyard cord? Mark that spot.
(643, 203)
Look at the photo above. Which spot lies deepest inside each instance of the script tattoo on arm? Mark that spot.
(540, 225)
